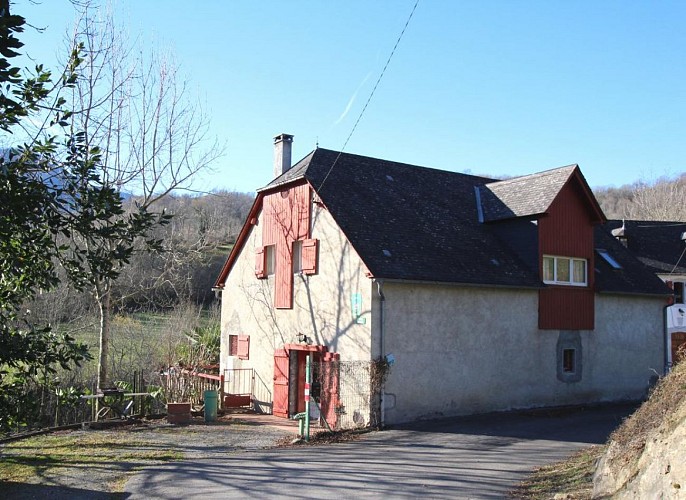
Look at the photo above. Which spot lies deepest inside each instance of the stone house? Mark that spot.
(481, 294)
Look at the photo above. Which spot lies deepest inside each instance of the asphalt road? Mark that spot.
(476, 457)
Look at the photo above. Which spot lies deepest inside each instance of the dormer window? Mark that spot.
(559, 270)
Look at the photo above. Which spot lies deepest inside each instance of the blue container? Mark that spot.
(211, 400)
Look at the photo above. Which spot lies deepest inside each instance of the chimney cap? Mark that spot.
(283, 143)
(283, 137)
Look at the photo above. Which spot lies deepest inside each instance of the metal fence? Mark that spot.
(238, 387)
(61, 403)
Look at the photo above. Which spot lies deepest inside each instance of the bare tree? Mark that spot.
(153, 135)
(660, 200)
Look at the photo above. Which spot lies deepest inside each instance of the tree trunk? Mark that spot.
(104, 306)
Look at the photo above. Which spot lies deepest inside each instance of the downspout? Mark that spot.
(382, 299)
(668, 343)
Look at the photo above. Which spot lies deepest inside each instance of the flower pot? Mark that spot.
(179, 413)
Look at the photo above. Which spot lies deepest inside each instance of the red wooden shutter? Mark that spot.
(283, 277)
(233, 345)
(280, 403)
(309, 256)
(261, 262)
(243, 347)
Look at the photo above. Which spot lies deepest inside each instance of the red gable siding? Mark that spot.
(567, 230)
(285, 219)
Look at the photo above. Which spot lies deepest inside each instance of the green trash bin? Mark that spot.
(211, 400)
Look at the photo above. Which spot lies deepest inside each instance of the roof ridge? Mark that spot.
(413, 165)
(543, 173)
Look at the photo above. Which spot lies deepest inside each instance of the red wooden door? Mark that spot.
(330, 388)
(302, 363)
(280, 383)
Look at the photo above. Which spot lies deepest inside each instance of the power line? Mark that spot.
(659, 226)
(383, 71)
(678, 261)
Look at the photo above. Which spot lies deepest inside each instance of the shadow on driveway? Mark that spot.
(586, 424)
(10, 490)
(476, 457)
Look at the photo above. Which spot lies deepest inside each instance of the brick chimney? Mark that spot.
(282, 153)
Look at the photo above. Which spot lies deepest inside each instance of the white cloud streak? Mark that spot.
(351, 101)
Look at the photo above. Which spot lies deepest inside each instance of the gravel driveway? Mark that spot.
(75, 481)
(475, 457)
(478, 457)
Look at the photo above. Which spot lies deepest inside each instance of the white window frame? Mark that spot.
(270, 259)
(557, 260)
(297, 256)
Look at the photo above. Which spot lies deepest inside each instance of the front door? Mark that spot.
(281, 376)
(329, 378)
(289, 377)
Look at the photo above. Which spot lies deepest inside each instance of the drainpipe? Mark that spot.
(382, 299)
(668, 343)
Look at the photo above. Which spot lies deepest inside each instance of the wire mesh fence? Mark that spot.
(346, 394)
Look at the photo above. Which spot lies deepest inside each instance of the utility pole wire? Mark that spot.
(383, 71)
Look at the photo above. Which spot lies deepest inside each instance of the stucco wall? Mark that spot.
(470, 350)
(322, 306)
(457, 350)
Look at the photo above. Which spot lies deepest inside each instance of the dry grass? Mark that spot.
(629, 439)
(570, 479)
(573, 478)
(108, 457)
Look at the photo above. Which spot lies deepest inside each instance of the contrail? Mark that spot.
(352, 99)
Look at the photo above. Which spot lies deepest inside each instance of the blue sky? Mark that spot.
(498, 88)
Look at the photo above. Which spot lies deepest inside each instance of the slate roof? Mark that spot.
(524, 196)
(633, 277)
(420, 224)
(657, 244)
(409, 222)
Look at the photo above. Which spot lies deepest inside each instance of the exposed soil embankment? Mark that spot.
(646, 456)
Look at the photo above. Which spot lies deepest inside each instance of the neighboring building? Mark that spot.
(661, 247)
(485, 294)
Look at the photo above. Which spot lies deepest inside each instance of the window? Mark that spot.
(265, 261)
(305, 256)
(579, 271)
(569, 360)
(569, 357)
(297, 256)
(239, 346)
(564, 271)
(270, 252)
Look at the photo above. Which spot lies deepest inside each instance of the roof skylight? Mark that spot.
(608, 258)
